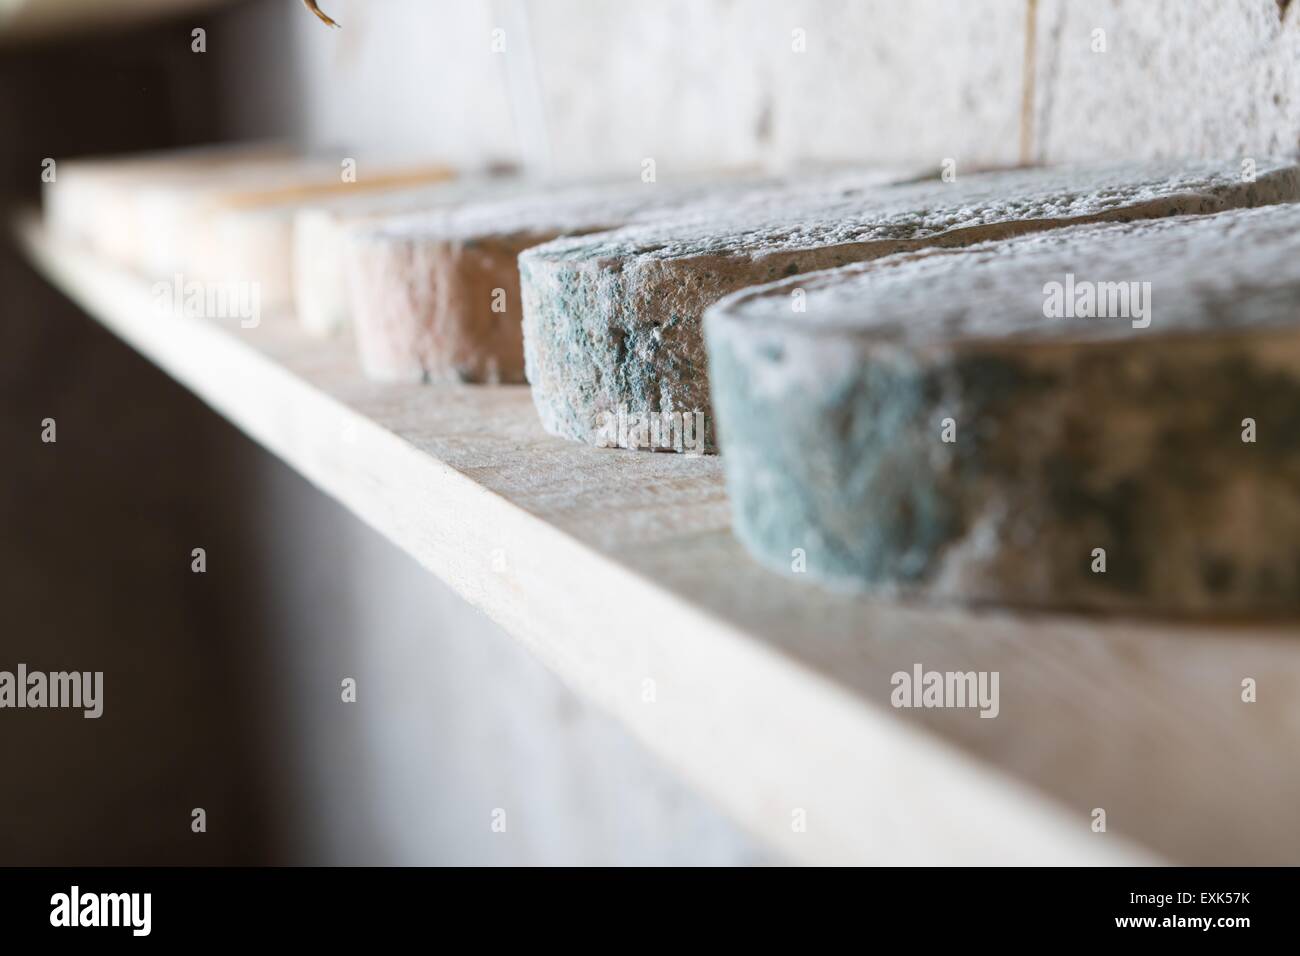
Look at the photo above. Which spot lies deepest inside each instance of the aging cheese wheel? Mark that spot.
(216, 215)
(95, 201)
(1099, 417)
(320, 239)
(435, 296)
(612, 321)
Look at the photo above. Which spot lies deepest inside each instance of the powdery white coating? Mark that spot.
(1225, 273)
(574, 208)
(918, 211)
(549, 210)
(1172, 448)
(577, 208)
(613, 320)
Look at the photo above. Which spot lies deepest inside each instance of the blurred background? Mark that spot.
(221, 689)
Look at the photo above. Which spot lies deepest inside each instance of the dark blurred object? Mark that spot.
(22, 21)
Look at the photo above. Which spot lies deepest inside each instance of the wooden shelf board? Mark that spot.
(770, 694)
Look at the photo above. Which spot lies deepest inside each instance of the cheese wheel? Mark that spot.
(612, 321)
(1102, 417)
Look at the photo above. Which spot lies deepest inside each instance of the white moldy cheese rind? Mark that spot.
(1102, 417)
(612, 321)
(436, 296)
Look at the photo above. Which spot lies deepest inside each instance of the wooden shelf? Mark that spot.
(770, 695)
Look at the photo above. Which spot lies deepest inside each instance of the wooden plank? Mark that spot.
(617, 568)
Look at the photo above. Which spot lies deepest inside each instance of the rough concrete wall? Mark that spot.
(696, 83)
(674, 80)
(1213, 78)
(719, 82)
(888, 82)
